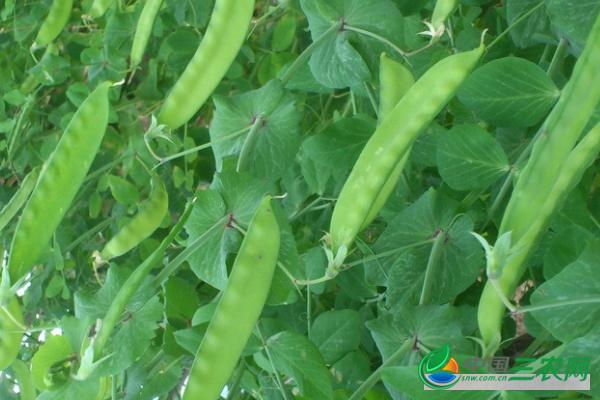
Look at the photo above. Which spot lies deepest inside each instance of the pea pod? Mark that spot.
(239, 307)
(537, 182)
(99, 7)
(57, 18)
(142, 225)
(23, 375)
(10, 332)
(395, 81)
(442, 11)
(224, 37)
(60, 179)
(143, 31)
(19, 198)
(391, 142)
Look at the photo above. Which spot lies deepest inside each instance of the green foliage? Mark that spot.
(290, 117)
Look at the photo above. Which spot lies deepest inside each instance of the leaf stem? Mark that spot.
(251, 139)
(234, 387)
(390, 252)
(86, 235)
(191, 248)
(280, 383)
(202, 146)
(501, 294)
(376, 376)
(536, 344)
(432, 264)
(372, 98)
(558, 57)
(376, 37)
(305, 55)
(517, 22)
(557, 303)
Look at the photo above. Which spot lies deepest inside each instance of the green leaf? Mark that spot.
(336, 333)
(282, 288)
(346, 58)
(512, 395)
(272, 65)
(123, 191)
(106, 64)
(588, 347)
(208, 263)
(14, 97)
(152, 376)
(351, 371)
(574, 19)
(74, 390)
(469, 158)
(134, 333)
(55, 286)
(119, 29)
(132, 338)
(51, 70)
(509, 92)
(277, 140)
(341, 142)
(433, 326)
(566, 247)
(410, 7)
(424, 150)
(53, 350)
(523, 34)
(181, 299)
(283, 34)
(407, 380)
(580, 279)
(458, 266)
(297, 357)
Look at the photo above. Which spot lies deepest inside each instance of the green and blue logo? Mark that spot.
(438, 370)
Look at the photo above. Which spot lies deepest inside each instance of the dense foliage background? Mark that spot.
(323, 340)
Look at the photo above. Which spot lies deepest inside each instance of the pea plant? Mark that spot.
(296, 199)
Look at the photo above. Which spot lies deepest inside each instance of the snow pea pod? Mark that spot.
(60, 179)
(99, 7)
(23, 375)
(550, 153)
(239, 307)
(143, 31)
(19, 198)
(10, 332)
(395, 80)
(224, 37)
(57, 18)
(442, 11)
(142, 225)
(392, 140)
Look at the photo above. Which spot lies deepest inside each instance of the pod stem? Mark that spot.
(191, 248)
(362, 391)
(501, 294)
(133, 283)
(432, 266)
(251, 139)
(303, 58)
(202, 146)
